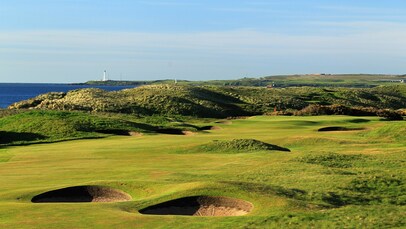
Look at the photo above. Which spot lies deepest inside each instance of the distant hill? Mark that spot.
(312, 80)
(216, 101)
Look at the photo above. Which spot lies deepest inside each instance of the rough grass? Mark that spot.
(380, 189)
(334, 160)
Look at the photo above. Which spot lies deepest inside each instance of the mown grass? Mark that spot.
(347, 182)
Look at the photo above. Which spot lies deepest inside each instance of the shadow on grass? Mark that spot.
(359, 120)
(7, 137)
(331, 199)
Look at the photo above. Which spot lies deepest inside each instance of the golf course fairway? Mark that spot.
(352, 175)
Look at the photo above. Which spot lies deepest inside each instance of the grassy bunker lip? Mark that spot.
(78, 194)
(201, 206)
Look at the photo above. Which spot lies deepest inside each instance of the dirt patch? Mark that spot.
(201, 206)
(135, 134)
(338, 128)
(82, 194)
(188, 133)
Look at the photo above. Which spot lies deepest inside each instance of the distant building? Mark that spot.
(105, 76)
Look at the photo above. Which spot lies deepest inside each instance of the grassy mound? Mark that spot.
(49, 126)
(240, 145)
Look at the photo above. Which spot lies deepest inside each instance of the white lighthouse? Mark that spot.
(105, 75)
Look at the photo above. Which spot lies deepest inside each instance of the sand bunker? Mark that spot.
(82, 194)
(201, 206)
(337, 128)
(226, 122)
(135, 134)
(210, 128)
(171, 131)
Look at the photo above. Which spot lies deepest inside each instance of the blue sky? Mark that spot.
(75, 40)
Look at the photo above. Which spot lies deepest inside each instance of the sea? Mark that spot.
(15, 92)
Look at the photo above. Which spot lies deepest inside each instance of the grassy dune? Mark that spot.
(218, 102)
(353, 179)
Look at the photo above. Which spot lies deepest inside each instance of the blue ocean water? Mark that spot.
(14, 92)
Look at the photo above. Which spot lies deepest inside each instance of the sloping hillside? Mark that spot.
(212, 101)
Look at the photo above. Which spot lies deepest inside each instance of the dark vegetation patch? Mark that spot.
(201, 206)
(338, 128)
(333, 160)
(380, 189)
(338, 109)
(82, 194)
(240, 145)
(10, 137)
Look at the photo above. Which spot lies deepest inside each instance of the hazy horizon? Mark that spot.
(73, 41)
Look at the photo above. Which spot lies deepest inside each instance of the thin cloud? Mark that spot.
(382, 38)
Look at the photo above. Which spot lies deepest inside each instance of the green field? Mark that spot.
(341, 179)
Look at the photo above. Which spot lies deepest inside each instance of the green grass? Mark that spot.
(328, 180)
